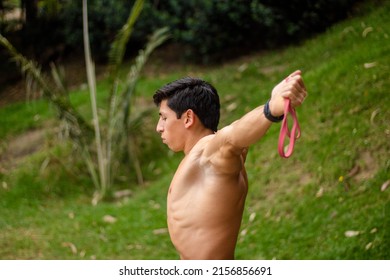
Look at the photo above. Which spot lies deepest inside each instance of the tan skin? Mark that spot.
(207, 194)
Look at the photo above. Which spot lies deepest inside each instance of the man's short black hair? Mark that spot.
(195, 94)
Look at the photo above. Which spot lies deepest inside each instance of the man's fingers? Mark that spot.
(295, 73)
(295, 89)
(295, 81)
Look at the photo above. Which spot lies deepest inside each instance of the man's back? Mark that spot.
(206, 202)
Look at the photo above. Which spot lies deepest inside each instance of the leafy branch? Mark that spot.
(119, 122)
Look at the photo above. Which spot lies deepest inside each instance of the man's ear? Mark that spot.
(189, 118)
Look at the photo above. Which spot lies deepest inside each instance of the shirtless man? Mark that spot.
(207, 194)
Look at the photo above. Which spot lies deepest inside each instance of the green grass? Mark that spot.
(299, 208)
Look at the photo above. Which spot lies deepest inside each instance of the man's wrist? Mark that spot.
(269, 116)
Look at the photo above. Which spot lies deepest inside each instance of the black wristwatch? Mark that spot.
(268, 115)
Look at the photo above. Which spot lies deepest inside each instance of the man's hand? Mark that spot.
(292, 88)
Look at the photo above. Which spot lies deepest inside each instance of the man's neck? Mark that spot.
(194, 139)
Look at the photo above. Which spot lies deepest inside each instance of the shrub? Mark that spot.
(215, 28)
(208, 29)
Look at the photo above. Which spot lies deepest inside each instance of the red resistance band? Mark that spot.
(284, 130)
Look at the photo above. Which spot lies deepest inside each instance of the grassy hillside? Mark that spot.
(330, 200)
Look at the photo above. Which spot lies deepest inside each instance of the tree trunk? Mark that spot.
(31, 10)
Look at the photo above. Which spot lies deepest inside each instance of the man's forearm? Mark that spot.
(250, 128)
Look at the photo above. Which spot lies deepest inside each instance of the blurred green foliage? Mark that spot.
(210, 29)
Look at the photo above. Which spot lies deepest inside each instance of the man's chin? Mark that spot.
(173, 149)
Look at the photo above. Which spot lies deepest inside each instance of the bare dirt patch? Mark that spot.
(21, 146)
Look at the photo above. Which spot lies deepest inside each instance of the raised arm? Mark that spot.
(231, 140)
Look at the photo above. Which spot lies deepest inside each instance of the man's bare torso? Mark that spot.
(205, 205)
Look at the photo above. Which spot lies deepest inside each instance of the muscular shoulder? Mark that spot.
(217, 152)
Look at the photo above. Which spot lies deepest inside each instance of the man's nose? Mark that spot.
(159, 127)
